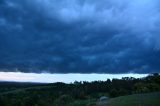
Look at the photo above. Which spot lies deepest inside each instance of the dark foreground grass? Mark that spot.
(150, 99)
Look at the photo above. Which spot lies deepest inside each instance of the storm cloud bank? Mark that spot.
(80, 36)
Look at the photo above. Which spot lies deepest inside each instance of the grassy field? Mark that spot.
(150, 99)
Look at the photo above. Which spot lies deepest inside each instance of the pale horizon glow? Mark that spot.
(66, 78)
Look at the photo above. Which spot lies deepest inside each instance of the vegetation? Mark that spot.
(81, 93)
(149, 99)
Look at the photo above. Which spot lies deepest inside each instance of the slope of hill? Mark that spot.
(148, 99)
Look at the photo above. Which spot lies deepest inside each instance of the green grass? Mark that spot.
(91, 102)
(150, 99)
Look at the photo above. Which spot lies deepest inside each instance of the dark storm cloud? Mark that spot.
(80, 36)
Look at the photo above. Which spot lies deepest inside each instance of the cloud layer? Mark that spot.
(80, 36)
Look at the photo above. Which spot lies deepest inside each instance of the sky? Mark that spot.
(80, 36)
(66, 78)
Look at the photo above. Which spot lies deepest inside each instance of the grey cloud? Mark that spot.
(79, 36)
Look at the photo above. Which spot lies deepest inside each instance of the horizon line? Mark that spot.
(66, 78)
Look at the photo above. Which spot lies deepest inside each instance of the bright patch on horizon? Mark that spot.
(67, 78)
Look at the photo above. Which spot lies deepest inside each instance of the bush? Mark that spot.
(114, 93)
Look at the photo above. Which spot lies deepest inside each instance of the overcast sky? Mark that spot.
(66, 78)
(80, 36)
